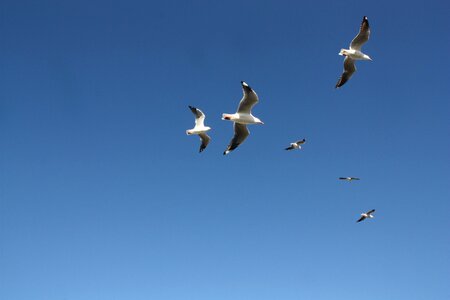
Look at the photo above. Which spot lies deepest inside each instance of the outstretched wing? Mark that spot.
(199, 116)
(248, 100)
(205, 141)
(360, 219)
(370, 211)
(300, 142)
(349, 69)
(363, 35)
(240, 134)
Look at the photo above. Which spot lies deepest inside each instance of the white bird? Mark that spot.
(349, 178)
(366, 215)
(354, 53)
(242, 117)
(200, 129)
(296, 145)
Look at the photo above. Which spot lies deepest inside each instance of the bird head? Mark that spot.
(343, 52)
(226, 117)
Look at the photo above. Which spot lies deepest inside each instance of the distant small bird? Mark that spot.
(296, 145)
(354, 53)
(242, 117)
(349, 178)
(200, 129)
(366, 215)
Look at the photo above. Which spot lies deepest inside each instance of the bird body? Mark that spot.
(241, 118)
(197, 130)
(294, 146)
(354, 54)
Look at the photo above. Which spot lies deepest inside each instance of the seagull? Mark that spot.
(242, 117)
(296, 145)
(200, 129)
(366, 215)
(349, 178)
(354, 53)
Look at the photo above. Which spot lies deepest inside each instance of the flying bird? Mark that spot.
(296, 145)
(200, 129)
(242, 118)
(354, 53)
(366, 215)
(349, 178)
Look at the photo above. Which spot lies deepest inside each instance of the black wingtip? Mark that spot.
(245, 85)
(339, 84)
(365, 20)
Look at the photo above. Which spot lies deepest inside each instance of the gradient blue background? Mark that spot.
(103, 196)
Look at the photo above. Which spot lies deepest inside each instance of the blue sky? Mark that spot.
(103, 196)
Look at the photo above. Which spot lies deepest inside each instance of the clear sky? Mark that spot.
(104, 197)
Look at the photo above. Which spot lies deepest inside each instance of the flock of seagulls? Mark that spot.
(243, 116)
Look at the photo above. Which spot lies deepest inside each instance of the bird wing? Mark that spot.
(300, 142)
(349, 69)
(355, 178)
(370, 211)
(289, 148)
(240, 134)
(205, 141)
(363, 35)
(199, 116)
(248, 100)
(343, 178)
(360, 219)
